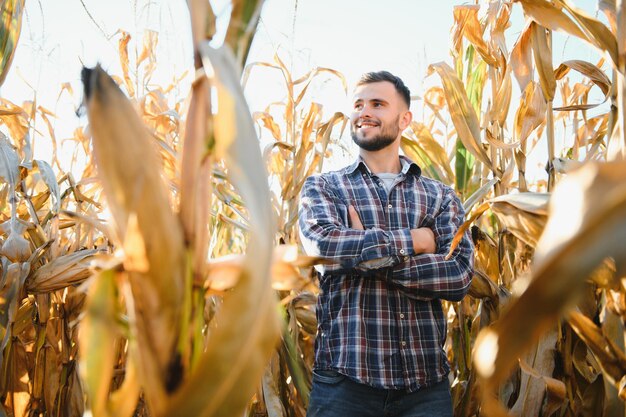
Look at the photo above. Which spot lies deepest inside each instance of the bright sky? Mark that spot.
(351, 36)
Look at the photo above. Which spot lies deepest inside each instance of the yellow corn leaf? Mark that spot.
(311, 75)
(483, 287)
(493, 136)
(500, 109)
(148, 50)
(461, 111)
(9, 162)
(11, 11)
(586, 225)
(123, 401)
(610, 358)
(62, 272)
(595, 74)
(130, 173)
(523, 214)
(551, 16)
(521, 57)
(466, 23)
(268, 123)
(598, 34)
(608, 8)
(434, 150)
(531, 112)
(542, 52)
(323, 140)
(271, 388)
(98, 334)
(479, 194)
(248, 70)
(223, 273)
(549, 394)
(50, 180)
(123, 52)
(230, 369)
(499, 23)
(198, 137)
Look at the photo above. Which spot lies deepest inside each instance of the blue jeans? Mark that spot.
(335, 395)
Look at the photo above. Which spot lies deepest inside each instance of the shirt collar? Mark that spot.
(407, 166)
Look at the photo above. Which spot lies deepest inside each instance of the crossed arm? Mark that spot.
(412, 259)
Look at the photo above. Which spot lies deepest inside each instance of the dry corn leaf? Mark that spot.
(595, 74)
(9, 162)
(49, 178)
(586, 225)
(461, 111)
(98, 334)
(610, 358)
(271, 388)
(62, 272)
(550, 16)
(598, 34)
(521, 57)
(11, 14)
(123, 53)
(608, 8)
(436, 153)
(130, 174)
(531, 112)
(467, 24)
(229, 370)
(542, 52)
(538, 389)
(500, 109)
(310, 76)
(198, 136)
(150, 40)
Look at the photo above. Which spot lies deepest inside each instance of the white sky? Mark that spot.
(351, 36)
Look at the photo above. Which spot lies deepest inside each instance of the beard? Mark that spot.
(386, 137)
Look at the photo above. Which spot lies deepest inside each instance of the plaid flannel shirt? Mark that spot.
(379, 312)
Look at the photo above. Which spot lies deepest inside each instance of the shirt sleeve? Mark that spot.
(324, 232)
(429, 276)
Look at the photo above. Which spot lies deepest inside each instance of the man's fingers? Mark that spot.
(355, 221)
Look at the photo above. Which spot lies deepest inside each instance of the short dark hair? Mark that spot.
(378, 76)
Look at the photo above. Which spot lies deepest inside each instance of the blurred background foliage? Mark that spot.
(168, 278)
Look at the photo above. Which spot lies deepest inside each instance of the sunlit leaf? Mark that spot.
(586, 221)
(11, 12)
(461, 111)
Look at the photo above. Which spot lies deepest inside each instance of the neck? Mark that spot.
(384, 160)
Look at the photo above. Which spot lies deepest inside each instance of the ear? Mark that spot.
(405, 119)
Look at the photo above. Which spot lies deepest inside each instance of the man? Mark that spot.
(387, 230)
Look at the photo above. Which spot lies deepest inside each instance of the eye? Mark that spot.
(358, 106)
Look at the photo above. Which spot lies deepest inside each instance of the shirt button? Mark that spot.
(401, 251)
(403, 343)
(401, 316)
(406, 259)
(390, 206)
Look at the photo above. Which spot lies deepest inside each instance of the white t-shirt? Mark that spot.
(388, 179)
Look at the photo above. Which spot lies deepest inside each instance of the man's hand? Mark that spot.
(423, 240)
(355, 221)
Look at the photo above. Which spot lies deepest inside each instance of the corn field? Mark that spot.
(177, 286)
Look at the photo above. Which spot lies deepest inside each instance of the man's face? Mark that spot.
(378, 116)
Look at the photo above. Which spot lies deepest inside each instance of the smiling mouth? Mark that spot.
(366, 125)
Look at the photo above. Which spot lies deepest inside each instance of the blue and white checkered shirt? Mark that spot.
(379, 312)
